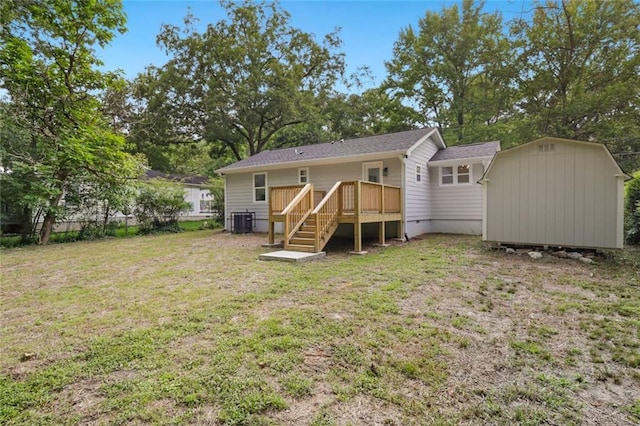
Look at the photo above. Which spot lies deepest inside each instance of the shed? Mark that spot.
(555, 192)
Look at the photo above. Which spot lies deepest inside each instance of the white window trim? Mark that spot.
(299, 177)
(253, 187)
(372, 165)
(455, 175)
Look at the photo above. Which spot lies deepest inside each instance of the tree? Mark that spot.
(372, 112)
(632, 210)
(49, 69)
(454, 69)
(580, 72)
(239, 83)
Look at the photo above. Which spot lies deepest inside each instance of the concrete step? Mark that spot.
(302, 241)
(298, 247)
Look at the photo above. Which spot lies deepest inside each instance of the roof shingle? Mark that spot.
(392, 142)
(474, 150)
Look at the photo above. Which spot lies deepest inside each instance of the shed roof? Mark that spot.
(473, 150)
(389, 143)
(550, 139)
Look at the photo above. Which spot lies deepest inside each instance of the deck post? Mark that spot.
(381, 229)
(357, 226)
(381, 233)
(272, 228)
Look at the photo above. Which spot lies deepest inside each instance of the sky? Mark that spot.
(368, 28)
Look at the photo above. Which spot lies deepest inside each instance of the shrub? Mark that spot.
(632, 210)
(158, 206)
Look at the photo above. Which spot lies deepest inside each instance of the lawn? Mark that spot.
(191, 329)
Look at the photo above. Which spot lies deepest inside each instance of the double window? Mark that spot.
(303, 175)
(259, 187)
(455, 175)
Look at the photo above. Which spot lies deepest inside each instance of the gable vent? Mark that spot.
(544, 147)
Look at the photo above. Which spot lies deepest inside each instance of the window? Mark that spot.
(372, 172)
(303, 175)
(418, 174)
(447, 175)
(205, 206)
(259, 187)
(455, 175)
(463, 173)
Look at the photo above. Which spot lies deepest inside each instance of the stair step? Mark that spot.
(304, 234)
(297, 247)
(302, 241)
(308, 228)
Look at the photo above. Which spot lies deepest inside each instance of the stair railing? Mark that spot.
(326, 214)
(297, 211)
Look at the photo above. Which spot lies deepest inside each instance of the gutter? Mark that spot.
(311, 162)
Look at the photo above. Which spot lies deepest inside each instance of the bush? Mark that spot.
(158, 206)
(95, 231)
(632, 210)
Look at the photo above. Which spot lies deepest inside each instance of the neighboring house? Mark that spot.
(196, 193)
(555, 192)
(407, 183)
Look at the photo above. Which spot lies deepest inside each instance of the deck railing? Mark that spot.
(392, 203)
(297, 211)
(326, 214)
(348, 197)
(281, 196)
(350, 202)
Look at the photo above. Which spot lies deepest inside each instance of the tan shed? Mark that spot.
(556, 192)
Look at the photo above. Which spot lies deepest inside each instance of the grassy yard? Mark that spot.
(191, 329)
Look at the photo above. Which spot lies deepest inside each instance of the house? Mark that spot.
(401, 184)
(196, 193)
(555, 192)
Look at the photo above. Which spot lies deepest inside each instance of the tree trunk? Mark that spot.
(47, 227)
(50, 217)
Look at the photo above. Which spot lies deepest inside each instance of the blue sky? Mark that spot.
(368, 28)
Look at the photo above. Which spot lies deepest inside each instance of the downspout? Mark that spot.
(224, 213)
(403, 171)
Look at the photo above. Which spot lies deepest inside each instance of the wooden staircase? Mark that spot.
(304, 239)
(310, 219)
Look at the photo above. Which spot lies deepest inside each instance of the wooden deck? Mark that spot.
(311, 217)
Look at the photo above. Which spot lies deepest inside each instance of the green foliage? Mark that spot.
(50, 71)
(237, 84)
(634, 411)
(568, 69)
(579, 75)
(632, 210)
(216, 188)
(158, 206)
(455, 68)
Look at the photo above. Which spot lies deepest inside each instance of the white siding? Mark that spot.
(456, 209)
(561, 197)
(417, 201)
(193, 196)
(239, 187)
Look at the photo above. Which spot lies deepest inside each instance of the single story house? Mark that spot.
(196, 193)
(400, 184)
(555, 192)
